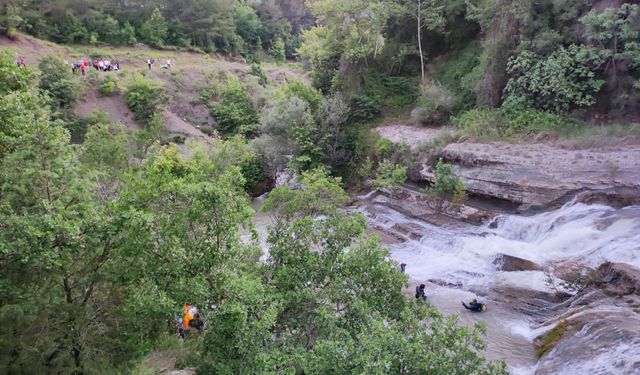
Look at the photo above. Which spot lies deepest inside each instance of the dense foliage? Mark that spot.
(102, 243)
(228, 26)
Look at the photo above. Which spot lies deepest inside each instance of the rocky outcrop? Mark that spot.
(597, 330)
(617, 279)
(422, 206)
(614, 197)
(536, 175)
(509, 263)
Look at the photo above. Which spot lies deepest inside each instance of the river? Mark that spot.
(460, 257)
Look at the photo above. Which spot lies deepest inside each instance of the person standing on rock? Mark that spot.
(420, 294)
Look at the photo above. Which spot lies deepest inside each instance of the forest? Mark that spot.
(105, 233)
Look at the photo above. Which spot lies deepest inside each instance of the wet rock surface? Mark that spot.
(422, 206)
(614, 197)
(510, 263)
(599, 327)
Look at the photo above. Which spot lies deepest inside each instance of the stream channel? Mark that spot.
(456, 262)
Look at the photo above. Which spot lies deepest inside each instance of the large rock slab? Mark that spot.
(537, 175)
(510, 263)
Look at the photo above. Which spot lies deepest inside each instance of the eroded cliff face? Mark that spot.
(537, 175)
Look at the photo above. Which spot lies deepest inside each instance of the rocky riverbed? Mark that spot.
(558, 260)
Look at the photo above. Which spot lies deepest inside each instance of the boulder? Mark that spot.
(617, 279)
(509, 263)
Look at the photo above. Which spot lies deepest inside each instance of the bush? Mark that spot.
(298, 89)
(434, 105)
(364, 107)
(508, 123)
(557, 83)
(257, 71)
(235, 114)
(144, 97)
(389, 174)
(447, 184)
(108, 86)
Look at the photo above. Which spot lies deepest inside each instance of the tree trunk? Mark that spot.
(420, 40)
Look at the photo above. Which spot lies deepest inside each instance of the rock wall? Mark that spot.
(536, 175)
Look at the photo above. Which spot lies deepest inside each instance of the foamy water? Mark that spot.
(578, 233)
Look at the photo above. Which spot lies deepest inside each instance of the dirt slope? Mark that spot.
(183, 82)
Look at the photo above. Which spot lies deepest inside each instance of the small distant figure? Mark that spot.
(420, 294)
(149, 63)
(403, 266)
(20, 62)
(475, 306)
(116, 66)
(74, 68)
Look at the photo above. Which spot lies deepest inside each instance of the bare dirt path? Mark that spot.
(410, 135)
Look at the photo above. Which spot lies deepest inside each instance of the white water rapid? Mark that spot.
(462, 256)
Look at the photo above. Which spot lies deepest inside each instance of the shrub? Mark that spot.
(389, 174)
(257, 71)
(235, 114)
(508, 123)
(434, 105)
(12, 77)
(364, 107)
(144, 97)
(302, 91)
(556, 83)
(108, 86)
(447, 185)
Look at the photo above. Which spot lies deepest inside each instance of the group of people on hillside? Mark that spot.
(102, 65)
(151, 62)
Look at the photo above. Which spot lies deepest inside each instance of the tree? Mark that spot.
(58, 82)
(248, 25)
(145, 98)
(328, 301)
(71, 30)
(154, 30)
(428, 13)
(13, 77)
(128, 34)
(612, 35)
(235, 114)
(278, 52)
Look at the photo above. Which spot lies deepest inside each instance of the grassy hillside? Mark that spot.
(191, 75)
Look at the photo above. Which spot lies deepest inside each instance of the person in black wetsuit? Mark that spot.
(420, 292)
(474, 305)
